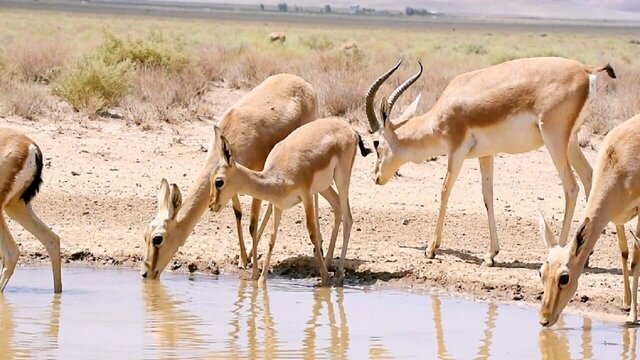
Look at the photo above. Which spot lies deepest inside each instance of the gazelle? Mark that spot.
(615, 198)
(513, 107)
(20, 180)
(305, 163)
(258, 121)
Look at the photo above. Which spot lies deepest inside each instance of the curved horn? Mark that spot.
(402, 88)
(371, 94)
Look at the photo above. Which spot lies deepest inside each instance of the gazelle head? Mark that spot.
(222, 187)
(160, 246)
(560, 272)
(389, 156)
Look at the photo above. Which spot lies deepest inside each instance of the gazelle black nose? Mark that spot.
(544, 322)
(144, 275)
(157, 240)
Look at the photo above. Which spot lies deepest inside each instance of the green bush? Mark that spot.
(153, 51)
(92, 84)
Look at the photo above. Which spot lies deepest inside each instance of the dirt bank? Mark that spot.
(101, 179)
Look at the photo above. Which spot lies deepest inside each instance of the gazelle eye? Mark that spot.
(564, 279)
(219, 183)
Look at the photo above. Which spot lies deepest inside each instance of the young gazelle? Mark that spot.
(513, 107)
(615, 198)
(305, 163)
(258, 121)
(20, 180)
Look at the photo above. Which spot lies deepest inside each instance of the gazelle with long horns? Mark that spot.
(513, 107)
(302, 165)
(21, 165)
(257, 122)
(615, 198)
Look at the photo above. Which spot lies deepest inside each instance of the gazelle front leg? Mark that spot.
(24, 215)
(310, 214)
(453, 169)
(237, 210)
(635, 271)
(624, 254)
(10, 253)
(486, 171)
(254, 218)
(332, 197)
(277, 215)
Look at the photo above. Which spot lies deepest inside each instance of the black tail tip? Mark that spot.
(610, 72)
(363, 150)
(33, 188)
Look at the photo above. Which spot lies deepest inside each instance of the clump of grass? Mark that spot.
(36, 60)
(474, 49)
(92, 84)
(24, 99)
(154, 50)
(317, 43)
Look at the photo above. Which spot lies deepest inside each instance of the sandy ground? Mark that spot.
(101, 179)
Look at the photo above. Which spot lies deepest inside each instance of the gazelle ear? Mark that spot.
(384, 112)
(577, 244)
(176, 200)
(546, 233)
(226, 154)
(412, 109)
(164, 196)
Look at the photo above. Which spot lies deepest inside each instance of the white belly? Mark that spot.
(517, 134)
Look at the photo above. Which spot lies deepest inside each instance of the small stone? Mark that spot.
(193, 268)
(405, 222)
(540, 198)
(176, 265)
(518, 297)
(584, 298)
(75, 173)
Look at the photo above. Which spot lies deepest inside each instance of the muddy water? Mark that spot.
(116, 315)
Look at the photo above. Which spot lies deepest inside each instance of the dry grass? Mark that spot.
(24, 99)
(171, 69)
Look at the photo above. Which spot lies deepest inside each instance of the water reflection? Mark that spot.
(13, 346)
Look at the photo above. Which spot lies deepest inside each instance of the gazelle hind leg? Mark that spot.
(635, 271)
(342, 178)
(581, 165)
(24, 215)
(310, 214)
(556, 140)
(254, 220)
(277, 215)
(317, 207)
(332, 197)
(237, 211)
(10, 253)
(624, 254)
(486, 171)
(454, 165)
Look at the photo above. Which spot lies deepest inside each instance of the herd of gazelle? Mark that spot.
(272, 146)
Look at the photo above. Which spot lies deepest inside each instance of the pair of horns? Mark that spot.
(374, 122)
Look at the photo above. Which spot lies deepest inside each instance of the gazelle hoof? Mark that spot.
(624, 307)
(430, 254)
(631, 320)
(488, 262)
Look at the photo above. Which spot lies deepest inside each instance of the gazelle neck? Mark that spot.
(418, 139)
(259, 184)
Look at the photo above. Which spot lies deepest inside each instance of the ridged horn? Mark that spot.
(402, 88)
(369, 98)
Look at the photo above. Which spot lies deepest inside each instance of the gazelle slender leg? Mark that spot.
(332, 197)
(254, 217)
(624, 254)
(556, 142)
(237, 210)
(635, 270)
(453, 169)
(315, 204)
(277, 215)
(10, 253)
(265, 221)
(342, 180)
(581, 165)
(23, 214)
(310, 214)
(256, 238)
(486, 171)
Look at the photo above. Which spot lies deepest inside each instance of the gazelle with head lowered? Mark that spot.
(513, 107)
(302, 165)
(20, 179)
(615, 198)
(257, 122)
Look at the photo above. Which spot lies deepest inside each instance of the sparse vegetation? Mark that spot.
(163, 76)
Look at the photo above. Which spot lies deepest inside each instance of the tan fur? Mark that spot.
(277, 36)
(513, 107)
(258, 121)
(14, 155)
(615, 198)
(304, 164)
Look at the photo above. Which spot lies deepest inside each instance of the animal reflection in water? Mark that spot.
(42, 342)
(175, 329)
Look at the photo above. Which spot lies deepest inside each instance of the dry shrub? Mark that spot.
(92, 85)
(318, 43)
(212, 61)
(252, 67)
(155, 50)
(36, 60)
(23, 99)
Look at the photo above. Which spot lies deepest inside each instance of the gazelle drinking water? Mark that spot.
(258, 121)
(513, 107)
(305, 163)
(615, 198)
(20, 179)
